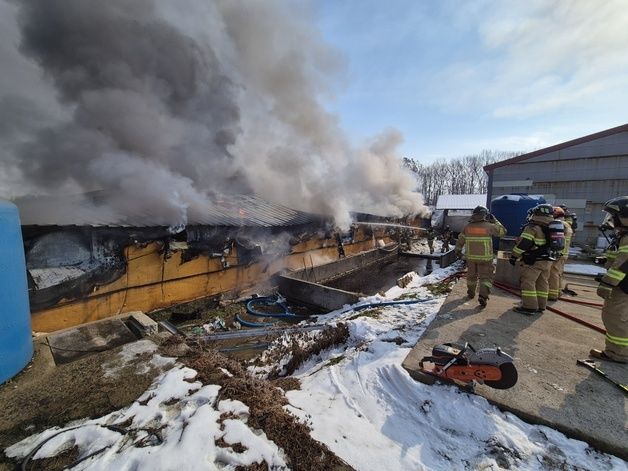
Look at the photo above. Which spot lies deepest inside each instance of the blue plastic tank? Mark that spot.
(16, 343)
(512, 210)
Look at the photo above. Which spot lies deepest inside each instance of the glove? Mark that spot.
(490, 218)
(512, 260)
(604, 291)
(458, 254)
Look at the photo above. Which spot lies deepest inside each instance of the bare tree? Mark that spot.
(462, 175)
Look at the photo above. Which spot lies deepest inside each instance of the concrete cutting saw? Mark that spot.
(464, 365)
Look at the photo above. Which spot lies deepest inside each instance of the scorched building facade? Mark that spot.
(81, 268)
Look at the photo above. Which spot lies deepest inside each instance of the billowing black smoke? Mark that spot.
(159, 105)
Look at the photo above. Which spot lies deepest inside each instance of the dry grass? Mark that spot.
(265, 404)
(287, 384)
(329, 337)
(373, 313)
(439, 289)
(56, 463)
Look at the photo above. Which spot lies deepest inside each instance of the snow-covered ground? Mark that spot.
(174, 425)
(422, 247)
(357, 399)
(583, 269)
(369, 411)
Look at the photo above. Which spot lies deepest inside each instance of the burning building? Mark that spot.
(149, 112)
(82, 269)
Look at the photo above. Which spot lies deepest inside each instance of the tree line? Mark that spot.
(458, 176)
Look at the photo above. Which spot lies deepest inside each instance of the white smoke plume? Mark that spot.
(164, 104)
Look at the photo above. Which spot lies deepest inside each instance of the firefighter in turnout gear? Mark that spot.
(570, 218)
(447, 239)
(614, 284)
(534, 249)
(558, 266)
(430, 239)
(477, 240)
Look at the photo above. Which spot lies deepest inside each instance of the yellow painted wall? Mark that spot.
(151, 282)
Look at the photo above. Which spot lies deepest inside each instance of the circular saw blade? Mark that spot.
(509, 377)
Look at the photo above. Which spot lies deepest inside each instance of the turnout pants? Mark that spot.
(556, 279)
(534, 284)
(615, 318)
(482, 271)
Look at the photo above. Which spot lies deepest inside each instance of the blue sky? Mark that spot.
(456, 77)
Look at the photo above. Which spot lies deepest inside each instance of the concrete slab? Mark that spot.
(72, 344)
(552, 389)
(141, 324)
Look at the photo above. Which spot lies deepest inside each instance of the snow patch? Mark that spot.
(370, 412)
(175, 424)
(584, 269)
(131, 352)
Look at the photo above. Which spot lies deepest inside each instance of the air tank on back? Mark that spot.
(512, 210)
(16, 344)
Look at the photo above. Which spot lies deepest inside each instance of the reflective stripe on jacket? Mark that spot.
(532, 238)
(617, 263)
(477, 238)
(568, 236)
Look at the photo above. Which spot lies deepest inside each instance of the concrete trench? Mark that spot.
(320, 288)
(330, 286)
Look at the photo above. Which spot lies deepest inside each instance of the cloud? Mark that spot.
(538, 56)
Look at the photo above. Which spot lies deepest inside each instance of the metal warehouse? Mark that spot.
(582, 173)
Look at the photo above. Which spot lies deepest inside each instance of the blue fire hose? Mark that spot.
(267, 301)
(287, 314)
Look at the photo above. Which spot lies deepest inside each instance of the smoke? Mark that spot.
(161, 106)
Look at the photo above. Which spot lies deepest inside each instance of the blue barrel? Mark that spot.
(16, 343)
(512, 210)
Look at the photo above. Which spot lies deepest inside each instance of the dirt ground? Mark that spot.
(45, 395)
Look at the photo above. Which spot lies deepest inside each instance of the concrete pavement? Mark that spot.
(552, 389)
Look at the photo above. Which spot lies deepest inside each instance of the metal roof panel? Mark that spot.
(224, 210)
(460, 201)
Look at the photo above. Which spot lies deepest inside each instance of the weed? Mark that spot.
(407, 296)
(373, 313)
(328, 337)
(439, 289)
(335, 360)
(266, 409)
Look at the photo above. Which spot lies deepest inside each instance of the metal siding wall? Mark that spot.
(616, 144)
(600, 168)
(596, 179)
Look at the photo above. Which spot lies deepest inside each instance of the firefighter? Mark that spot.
(613, 285)
(477, 240)
(556, 272)
(340, 246)
(570, 218)
(446, 236)
(430, 239)
(533, 248)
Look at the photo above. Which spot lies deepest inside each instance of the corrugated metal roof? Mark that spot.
(460, 201)
(87, 210)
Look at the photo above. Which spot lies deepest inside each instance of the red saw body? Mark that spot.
(453, 362)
